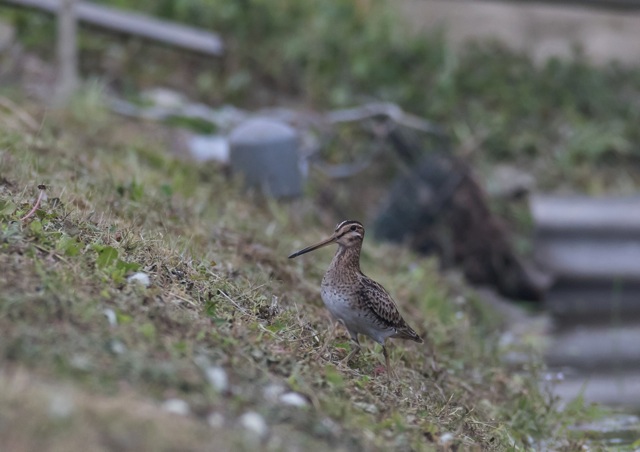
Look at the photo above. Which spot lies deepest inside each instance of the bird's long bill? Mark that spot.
(325, 242)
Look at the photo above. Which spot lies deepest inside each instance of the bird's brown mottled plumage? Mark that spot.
(381, 304)
(360, 303)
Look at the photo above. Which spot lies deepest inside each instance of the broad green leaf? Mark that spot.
(106, 256)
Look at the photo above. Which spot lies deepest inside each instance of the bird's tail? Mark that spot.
(408, 333)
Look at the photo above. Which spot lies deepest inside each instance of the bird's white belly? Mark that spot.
(342, 308)
(339, 305)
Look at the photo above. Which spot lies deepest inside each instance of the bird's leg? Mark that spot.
(354, 350)
(390, 372)
(332, 333)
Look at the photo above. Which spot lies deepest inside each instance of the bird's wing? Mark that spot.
(384, 310)
(379, 303)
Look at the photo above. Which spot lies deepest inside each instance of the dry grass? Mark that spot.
(41, 415)
(222, 292)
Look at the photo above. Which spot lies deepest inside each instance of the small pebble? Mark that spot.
(254, 423)
(273, 392)
(80, 362)
(217, 378)
(215, 420)
(117, 347)
(369, 435)
(445, 438)
(176, 406)
(331, 426)
(559, 376)
(61, 405)
(209, 147)
(112, 318)
(164, 98)
(140, 278)
(367, 407)
(293, 399)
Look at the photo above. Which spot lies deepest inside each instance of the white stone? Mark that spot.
(117, 347)
(81, 362)
(273, 392)
(255, 423)
(176, 406)
(445, 438)
(61, 405)
(164, 97)
(209, 147)
(215, 420)
(140, 278)
(293, 399)
(112, 318)
(217, 378)
(367, 407)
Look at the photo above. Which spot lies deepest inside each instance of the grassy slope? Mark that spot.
(222, 293)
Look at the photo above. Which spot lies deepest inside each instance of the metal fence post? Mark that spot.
(67, 53)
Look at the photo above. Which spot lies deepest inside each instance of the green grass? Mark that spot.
(222, 292)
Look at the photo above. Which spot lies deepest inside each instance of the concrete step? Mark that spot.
(620, 389)
(594, 301)
(587, 215)
(578, 256)
(591, 247)
(596, 348)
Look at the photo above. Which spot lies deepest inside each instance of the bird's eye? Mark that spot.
(353, 228)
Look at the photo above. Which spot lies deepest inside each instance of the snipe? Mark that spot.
(362, 305)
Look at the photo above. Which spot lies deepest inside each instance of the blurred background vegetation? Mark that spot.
(572, 125)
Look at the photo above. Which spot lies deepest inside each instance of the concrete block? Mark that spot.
(265, 152)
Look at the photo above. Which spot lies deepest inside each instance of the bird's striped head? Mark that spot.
(349, 233)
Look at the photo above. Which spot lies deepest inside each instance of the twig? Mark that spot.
(185, 299)
(19, 113)
(385, 110)
(445, 406)
(261, 326)
(389, 117)
(56, 255)
(42, 189)
(240, 308)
